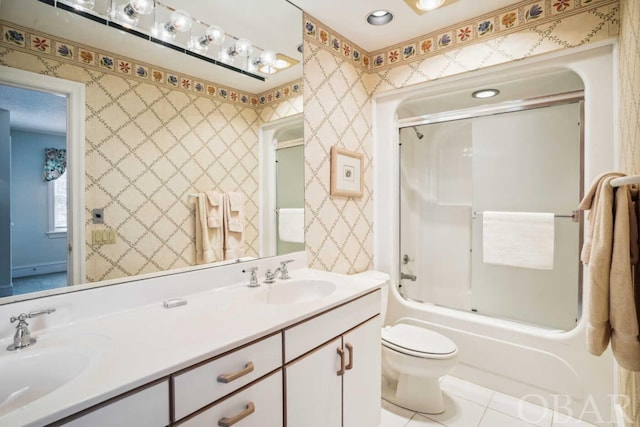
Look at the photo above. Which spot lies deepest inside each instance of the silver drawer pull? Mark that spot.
(227, 378)
(229, 421)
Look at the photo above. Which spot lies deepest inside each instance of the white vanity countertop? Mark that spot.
(131, 348)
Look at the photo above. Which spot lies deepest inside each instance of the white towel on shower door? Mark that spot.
(518, 239)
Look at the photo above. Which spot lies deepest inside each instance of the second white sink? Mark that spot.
(295, 291)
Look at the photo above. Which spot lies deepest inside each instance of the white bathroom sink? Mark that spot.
(30, 374)
(295, 291)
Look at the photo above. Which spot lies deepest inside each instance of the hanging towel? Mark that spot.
(214, 209)
(233, 220)
(208, 240)
(291, 225)
(612, 310)
(518, 239)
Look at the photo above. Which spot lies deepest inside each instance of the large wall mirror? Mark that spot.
(161, 126)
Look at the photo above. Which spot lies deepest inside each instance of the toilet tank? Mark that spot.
(382, 277)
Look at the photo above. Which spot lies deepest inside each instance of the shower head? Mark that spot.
(419, 134)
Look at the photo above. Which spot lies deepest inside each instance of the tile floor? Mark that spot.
(470, 405)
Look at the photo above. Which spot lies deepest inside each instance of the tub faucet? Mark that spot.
(22, 338)
(411, 277)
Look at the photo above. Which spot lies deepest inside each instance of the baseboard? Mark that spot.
(6, 290)
(36, 269)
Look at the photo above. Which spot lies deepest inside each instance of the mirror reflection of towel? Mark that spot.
(291, 225)
(214, 209)
(233, 225)
(208, 240)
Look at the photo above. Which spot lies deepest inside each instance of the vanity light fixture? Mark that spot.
(485, 93)
(429, 4)
(130, 13)
(379, 17)
(164, 25)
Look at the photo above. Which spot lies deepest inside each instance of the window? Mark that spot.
(58, 207)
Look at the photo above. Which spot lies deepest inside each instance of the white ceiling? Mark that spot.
(349, 18)
(33, 110)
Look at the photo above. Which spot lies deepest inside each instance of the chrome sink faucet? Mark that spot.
(270, 276)
(22, 338)
(253, 278)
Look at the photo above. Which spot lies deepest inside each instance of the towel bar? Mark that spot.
(575, 215)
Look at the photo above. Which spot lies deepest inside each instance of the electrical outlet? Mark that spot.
(97, 216)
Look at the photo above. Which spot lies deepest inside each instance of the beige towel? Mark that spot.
(214, 209)
(233, 219)
(608, 250)
(208, 240)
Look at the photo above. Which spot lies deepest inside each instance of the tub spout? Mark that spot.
(411, 277)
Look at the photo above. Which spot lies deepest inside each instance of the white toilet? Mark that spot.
(413, 360)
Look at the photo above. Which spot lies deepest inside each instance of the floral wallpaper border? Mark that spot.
(517, 17)
(43, 44)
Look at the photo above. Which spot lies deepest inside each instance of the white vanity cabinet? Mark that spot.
(322, 371)
(335, 382)
(148, 407)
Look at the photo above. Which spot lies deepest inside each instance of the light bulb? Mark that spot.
(180, 21)
(244, 47)
(429, 4)
(84, 4)
(215, 35)
(130, 13)
(268, 57)
(143, 7)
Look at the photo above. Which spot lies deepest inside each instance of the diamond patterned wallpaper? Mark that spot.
(630, 146)
(337, 111)
(337, 105)
(147, 147)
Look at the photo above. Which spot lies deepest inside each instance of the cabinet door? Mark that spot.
(361, 397)
(313, 388)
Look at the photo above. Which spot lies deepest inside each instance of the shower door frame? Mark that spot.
(505, 107)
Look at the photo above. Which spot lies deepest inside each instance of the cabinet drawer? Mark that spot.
(196, 388)
(265, 397)
(310, 334)
(146, 408)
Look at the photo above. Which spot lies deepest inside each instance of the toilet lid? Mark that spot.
(417, 339)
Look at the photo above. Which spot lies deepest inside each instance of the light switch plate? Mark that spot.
(97, 216)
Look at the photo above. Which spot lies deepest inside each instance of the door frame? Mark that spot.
(75, 94)
(267, 182)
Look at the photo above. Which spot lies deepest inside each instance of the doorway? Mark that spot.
(40, 204)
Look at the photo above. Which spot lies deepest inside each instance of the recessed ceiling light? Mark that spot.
(485, 93)
(429, 4)
(379, 17)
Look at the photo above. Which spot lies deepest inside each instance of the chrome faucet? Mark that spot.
(270, 276)
(22, 338)
(253, 279)
(411, 277)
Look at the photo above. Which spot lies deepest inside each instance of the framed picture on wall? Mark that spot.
(346, 173)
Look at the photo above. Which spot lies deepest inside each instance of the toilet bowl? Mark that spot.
(414, 358)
